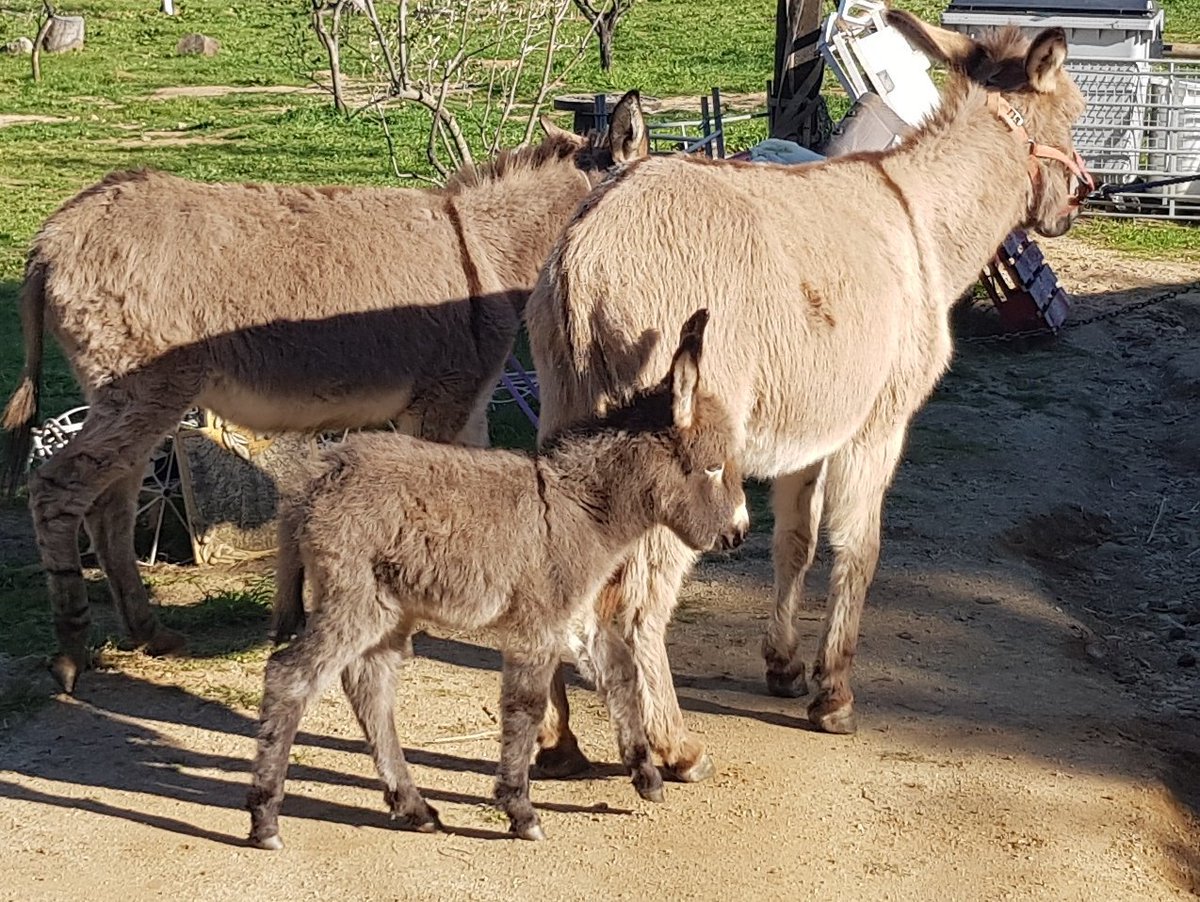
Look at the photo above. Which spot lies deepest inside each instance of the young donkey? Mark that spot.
(280, 308)
(397, 530)
(834, 294)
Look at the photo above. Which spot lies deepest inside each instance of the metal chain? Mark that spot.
(1160, 298)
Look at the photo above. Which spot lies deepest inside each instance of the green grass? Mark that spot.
(25, 628)
(1145, 239)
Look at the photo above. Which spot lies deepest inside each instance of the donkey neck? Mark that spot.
(596, 499)
(513, 220)
(965, 180)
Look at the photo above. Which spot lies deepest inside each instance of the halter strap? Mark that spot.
(1010, 116)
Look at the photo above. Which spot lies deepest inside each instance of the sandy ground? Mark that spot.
(1029, 719)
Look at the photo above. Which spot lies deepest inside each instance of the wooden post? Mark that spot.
(797, 109)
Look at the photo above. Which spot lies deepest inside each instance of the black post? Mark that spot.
(797, 109)
(720, 124)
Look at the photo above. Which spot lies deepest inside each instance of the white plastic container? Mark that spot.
(1097, 29)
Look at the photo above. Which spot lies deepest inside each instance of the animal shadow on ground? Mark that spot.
(114, 747)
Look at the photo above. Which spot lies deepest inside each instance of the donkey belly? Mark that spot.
(812, 405)
(771, 452)
(277, 411)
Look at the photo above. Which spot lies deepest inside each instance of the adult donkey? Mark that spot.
(834, 282)
(280, 308)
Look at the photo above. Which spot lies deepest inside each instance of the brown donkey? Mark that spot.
(397, 530)
(833, 283)
(280, 308)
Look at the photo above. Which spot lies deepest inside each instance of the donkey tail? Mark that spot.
(287, 613)
(22, 407)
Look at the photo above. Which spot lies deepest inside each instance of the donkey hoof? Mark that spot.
(426, 821)
(652, 793)
(557, 762)
(648, 783)
(533, 833)
(696, 773)
(65, 667)
(840, 720)
(165, 641)
(785, 684)
(272, 842)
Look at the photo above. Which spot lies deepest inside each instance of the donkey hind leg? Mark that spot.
(110, 524)
(559, 755)
(525, 686)
(616, 680)
(370, 685)
(127, 419)
(648, 587)
(295, 675)
(796, 499)
(859, 475)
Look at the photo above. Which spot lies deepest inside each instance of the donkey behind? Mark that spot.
(397, 530)
(280, 308)
(836, 284)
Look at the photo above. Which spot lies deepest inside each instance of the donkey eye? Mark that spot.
(715, 472)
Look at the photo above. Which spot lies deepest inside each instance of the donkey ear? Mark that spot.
(685, 369)
(939, 44)
(1045, 59)
(628, 137)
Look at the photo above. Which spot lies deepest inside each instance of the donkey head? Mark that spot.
(1031, 92)
(698, 489)
(626, 139)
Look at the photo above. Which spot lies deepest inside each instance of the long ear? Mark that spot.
(685, 369)
(552, 130)
(939, 44)
(1045, 59)
(628, 137)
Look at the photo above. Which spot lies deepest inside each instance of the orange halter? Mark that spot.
(1008, 114)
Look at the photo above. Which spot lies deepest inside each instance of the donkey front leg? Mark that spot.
(648, 587)
(525, 686)
(859, 475)
(796, 500)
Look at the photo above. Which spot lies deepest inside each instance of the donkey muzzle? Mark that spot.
(737, 531)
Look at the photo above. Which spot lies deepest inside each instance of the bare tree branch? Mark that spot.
(604, 20)
(436, 57)
(40, 39)
(321, 9)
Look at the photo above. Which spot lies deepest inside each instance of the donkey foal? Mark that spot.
(397, 530)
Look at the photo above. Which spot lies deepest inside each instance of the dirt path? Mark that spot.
(1029, 723)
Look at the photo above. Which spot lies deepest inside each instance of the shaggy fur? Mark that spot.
(279, 308)
(397, 530)
(834, 282)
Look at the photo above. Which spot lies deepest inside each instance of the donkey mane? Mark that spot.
(648, 410)
(552, 149)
